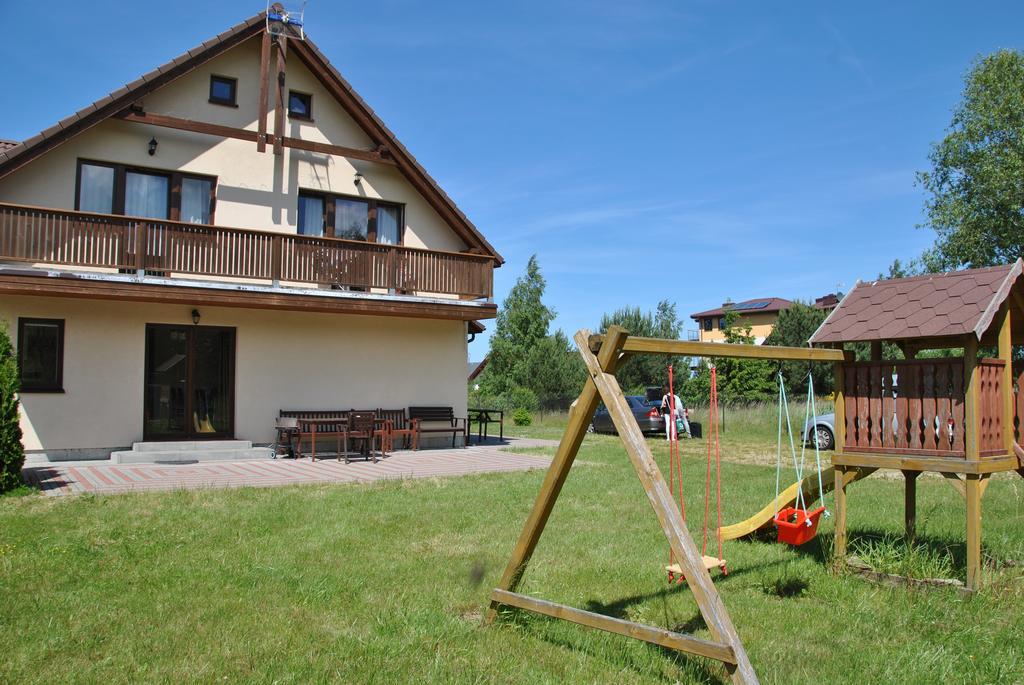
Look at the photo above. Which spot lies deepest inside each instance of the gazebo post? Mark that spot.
(839, 472)
(972, 481)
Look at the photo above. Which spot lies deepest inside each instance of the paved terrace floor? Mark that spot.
(103, 477)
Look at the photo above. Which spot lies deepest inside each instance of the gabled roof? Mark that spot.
(758, 305)
(17, 155)
(952, 304)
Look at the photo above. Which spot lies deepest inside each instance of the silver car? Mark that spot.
(824, 429)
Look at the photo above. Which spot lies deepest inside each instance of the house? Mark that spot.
(234, 233)
(760, 314)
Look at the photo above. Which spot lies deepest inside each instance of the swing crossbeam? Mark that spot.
(657, 636)
(687, 348)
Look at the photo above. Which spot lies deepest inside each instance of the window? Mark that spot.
(721, 323)
(311, 215)
(224, 91)
(300, 105)
(707, 324)
(96, 188)
(151, 193)
(41, 355)
(350, 218)
(147, 195)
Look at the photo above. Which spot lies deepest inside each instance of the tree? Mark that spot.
(12, 453)
(521, 324)
(557, 372)
(646, 370)
(526, 366)
(976, 185)
(794, 328)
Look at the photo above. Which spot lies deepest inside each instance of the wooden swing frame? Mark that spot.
(603, 355)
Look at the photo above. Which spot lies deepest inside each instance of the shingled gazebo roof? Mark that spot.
(936, 306)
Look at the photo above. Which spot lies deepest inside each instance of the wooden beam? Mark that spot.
(972, 417)
(992, 464)
(683, 548)
(687, 348)
(251, 136)
(264, 104)
(581, 412)
(839, 499)
(876, 350)
(657, 636)
(279, 102)
(910, 504)
(973, 488)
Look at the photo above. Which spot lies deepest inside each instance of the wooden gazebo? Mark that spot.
(951, 415)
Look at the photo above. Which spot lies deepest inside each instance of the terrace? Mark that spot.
(106, 243)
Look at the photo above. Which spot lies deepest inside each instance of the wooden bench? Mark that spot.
(400, 426)
(436, 415)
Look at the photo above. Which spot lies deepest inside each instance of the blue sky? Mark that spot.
(694, 151)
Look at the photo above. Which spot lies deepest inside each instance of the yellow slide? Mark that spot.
(787, 498)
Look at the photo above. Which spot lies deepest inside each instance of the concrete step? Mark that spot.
(173, 456)
(205, 445)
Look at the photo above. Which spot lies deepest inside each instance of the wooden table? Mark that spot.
(484, 417)
(311, 427)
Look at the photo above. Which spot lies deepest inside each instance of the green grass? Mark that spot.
(387, 583)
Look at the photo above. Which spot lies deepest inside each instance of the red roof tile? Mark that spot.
(938, 305)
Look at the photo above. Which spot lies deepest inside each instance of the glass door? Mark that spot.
(189, 382)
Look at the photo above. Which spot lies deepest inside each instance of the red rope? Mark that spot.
(713, 436)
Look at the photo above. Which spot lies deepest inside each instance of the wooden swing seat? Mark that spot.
(709, 563)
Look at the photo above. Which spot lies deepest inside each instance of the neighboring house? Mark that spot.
(760, 314)
(234, 233)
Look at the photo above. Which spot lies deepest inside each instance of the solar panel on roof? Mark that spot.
(758, 304)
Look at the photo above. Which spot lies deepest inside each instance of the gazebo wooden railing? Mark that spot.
(916, 407)
(172, 248)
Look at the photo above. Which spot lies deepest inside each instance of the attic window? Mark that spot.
(224, 91)
(300, 105)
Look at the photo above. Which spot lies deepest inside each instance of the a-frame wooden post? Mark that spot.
(726, 646)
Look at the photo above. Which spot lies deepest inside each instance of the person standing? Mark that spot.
(672, 409)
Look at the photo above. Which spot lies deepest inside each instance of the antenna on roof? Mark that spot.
(286, 23)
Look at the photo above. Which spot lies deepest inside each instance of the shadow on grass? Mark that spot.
(696, 670)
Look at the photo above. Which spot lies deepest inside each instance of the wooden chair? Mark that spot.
(363, 425)
(399, 426)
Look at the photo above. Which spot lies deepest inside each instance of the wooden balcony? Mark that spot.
(916, 407)
(175, 249)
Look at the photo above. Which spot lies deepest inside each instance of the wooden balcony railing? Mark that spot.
(916, 407)
(64, 237)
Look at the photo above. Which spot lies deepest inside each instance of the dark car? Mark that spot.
(647, 415)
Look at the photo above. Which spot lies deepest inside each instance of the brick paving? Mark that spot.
(104, 477)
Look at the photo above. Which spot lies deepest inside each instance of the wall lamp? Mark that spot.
(152, 146)
(195, 316)
(358, 179)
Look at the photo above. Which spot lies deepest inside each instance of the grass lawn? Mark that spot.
(387, 583)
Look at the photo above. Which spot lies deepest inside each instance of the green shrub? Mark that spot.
(521, 398)
(12, 453)
(522, 417)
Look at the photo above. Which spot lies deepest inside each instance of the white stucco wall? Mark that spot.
(254, 190)
(284, 360)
